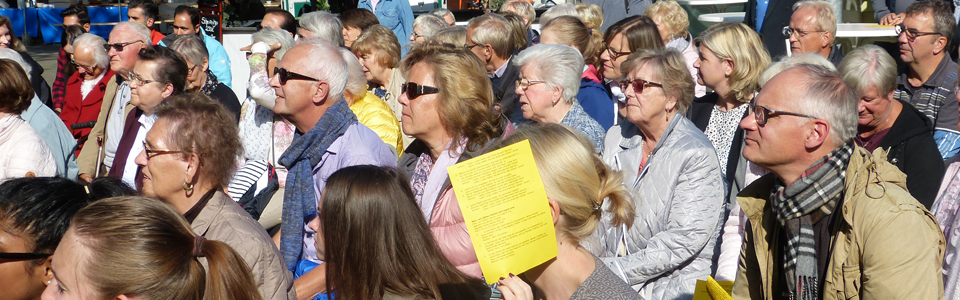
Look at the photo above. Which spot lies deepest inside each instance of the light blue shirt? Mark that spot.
(761, 12)
(394, 14)
(58, 138)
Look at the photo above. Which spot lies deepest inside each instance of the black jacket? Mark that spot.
(911, 148)
(504, 92)
(699, 114)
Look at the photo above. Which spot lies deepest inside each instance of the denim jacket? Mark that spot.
(394, 14)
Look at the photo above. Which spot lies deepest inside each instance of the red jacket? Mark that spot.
(75, 111)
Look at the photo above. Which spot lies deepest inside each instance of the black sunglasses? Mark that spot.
(285, 75)
(22, 256)
(638, 85)
(414, 90)
(118, 46)
(763, 114)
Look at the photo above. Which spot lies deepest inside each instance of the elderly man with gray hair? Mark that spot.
(323, 26)
(813, 29)
(831, 220)
(87, 86)
(489, 37)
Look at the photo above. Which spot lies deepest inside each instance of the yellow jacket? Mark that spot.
(376, 114)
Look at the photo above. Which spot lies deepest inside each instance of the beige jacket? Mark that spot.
(887, 245)
(223, 220)
(87, 161)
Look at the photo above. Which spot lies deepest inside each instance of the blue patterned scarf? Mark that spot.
(304, 153)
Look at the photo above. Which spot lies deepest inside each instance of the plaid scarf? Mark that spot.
(799, 206)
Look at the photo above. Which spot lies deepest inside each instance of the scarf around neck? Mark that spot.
(299, 200)
(800, 205)
(210, 85)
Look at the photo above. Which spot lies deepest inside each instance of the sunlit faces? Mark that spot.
(86, 65)
(921, 47)
(183, 25)
(350, 35)
(71, 20)
(711, 70)
(615, 54)
(537, 99)
(136, 15)
(873, 109)
(272, 21)
(806, 37)
(780, 140)
(146, 92)
(303, 33)
(123, 61)
(22, 279)
(163, 174)
(373, 70)
(474, 47)
(296, 96)
(5, 37)
(421, 116)
(68, 268)
(650, 106)
(196, 75)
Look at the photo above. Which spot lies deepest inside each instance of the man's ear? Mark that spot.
(940, 45)
(323, 92)
(488, 52)
(825, 39)
(818, 134)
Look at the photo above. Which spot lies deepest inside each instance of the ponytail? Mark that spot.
(613, 192)
(228, 276)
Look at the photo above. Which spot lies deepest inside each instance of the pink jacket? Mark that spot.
(450, 231)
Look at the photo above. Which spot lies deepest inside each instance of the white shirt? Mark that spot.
(88, 84)
(130, 168)
(115, 124)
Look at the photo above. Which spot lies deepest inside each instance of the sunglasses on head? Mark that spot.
(118, 46)
(285, 75)
(414, 90)
(638, 85)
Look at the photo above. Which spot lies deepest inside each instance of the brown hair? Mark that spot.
(371, 210)
(669, 68)
(519, 29)
(640, 32)
(15, 89)
(202, 126)
(572, 31)
(576, 177)
(358, 18)
(379, 41)
(14, 41)
(139, 246)
(466, 106)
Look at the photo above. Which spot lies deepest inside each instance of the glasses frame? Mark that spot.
(77, 65)
(417, 35)
(912, 34)
(12, 256)
(285, 75)
(788, 32)
(414, 90)
(614, 54)
(525, 86)
(469, 47)
(764, 114)
(138, 80)
(637, 88)
(154, 153)
(119, 46)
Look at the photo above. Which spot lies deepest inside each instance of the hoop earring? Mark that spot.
(188, 187)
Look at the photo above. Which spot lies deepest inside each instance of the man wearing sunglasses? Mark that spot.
(87, 86)
(126, 40)
(186, 20)
(831, 220)
(929, 80)
(310, 95)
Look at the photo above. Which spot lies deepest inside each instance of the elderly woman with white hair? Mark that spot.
(426, 26)
(86, 87)
(199, 76)
(371, 111)
(264, 135)
(548, 83)
(321, 25)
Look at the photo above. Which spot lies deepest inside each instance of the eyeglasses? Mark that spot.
(285, 75)
(614, 54)
(154, 153)
(638, 85)
(524, 84)
(414, 90)
(190, 71)
(762, 114)
(912, 33)
(78, 65)
(139, 81)
(470, 47)
(22, 256)
(787, 32)
(118, 46)
(416, 35)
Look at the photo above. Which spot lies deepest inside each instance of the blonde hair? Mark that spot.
(466, 106)
(380, 41)
(573, 32)
(671, 16)
(591, 15)
(576, 178)
(669, 68)
(742, 45)
(522, 8)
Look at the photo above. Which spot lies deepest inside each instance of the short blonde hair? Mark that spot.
(591, 15)
(671, 16)
(669, 68)
(573, 32)
(380, 41)
(522, 8)
(741, 44)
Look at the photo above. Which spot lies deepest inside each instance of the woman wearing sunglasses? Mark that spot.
(187, 159)
(447, 103)
(548, 86)
(34, 215)
(673, 171)
(623, 38)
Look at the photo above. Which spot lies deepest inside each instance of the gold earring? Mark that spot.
(188, 187)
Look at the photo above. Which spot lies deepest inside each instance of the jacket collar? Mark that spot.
(911, 122)
(209, 212)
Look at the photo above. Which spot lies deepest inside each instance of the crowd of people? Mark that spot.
(667, 158)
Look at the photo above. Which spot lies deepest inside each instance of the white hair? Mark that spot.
(324, 25)
(275, 36)
(137, 28)
(559, 10)
(95, 44)
(824, 95)
(789, 62)
(326, 65)
(558, 65)
(429, 24)
(14, 56)
(356, 81)
(826, 15)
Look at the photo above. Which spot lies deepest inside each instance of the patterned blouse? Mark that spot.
(721, 129)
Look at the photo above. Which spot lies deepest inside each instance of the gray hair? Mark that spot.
(826, 15)
(324, 25)
(869, 65)
(15, 56)
(136, 28)
(789, 62)
(331, 69)
(495, 30)
(558, 65)
(522, 8)
(443, 13)
(823, 94)
(95, 44)
(559, 10)
(192, 48)
(356, 81)
(275, 36)
(456, 35)
(429, 24)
